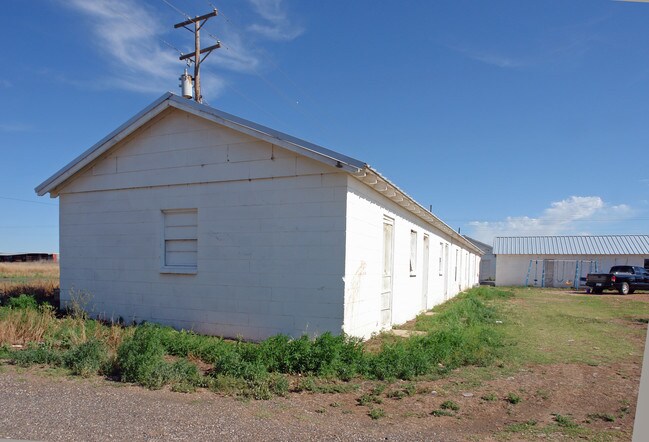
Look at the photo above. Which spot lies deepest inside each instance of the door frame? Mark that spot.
(387, 221)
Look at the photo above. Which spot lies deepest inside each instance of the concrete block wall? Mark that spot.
(271, 233)
(366, 209)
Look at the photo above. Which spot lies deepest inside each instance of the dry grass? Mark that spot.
(25, 325)
(29, 270)
(22, 326)
(40, 279)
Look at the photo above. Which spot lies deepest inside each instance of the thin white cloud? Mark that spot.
(495, 59)
(572, 215)
(131, 35)
(277, 24)
(135, 40)
(14, 127)
(568, 45)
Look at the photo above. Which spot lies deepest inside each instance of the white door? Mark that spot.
(386, 286)
(446, 269)
(424, 288)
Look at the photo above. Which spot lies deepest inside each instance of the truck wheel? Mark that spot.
(624, 288)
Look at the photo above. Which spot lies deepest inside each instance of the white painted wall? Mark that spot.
(271, 233)
(284, 243)
(366, 209)
(511, 270)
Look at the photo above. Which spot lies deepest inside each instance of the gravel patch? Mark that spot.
(59, 408)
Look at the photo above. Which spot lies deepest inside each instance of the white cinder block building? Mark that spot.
(195, 218)
(564, 261)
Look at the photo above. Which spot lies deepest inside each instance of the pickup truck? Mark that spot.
(624, 279)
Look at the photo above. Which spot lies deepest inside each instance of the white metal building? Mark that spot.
(487, 260)
(191, 217)
(564, 261)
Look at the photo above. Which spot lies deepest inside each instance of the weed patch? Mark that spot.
(521, 427)
(450, 405)
(376, 413)
(87, 359)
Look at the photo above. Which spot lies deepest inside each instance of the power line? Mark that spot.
(27, 201)
(149, 31)
(29, 227)
(273, 86)
(184, 14)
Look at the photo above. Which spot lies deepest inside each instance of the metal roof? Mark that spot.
(357, 168)
(572, 245)
(233, 122)
(486, 248)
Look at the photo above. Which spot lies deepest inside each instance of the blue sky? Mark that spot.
(509, 117)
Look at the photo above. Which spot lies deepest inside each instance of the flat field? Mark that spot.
(40, 279)
(559, 365)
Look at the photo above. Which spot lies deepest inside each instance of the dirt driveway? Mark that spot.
(38, 406)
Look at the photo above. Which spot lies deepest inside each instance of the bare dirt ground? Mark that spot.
(41, 407)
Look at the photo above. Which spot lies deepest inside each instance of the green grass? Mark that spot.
(513, 398)
(449, 405)
(521, 427)
(544, 327)
(376, 413)
(482, 332)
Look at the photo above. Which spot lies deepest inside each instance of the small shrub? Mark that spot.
(449, 405)
(565, 421)
(376, 413)
(79, 304)
(5, 351)
(513, 398)
(606, 417)
(521, 427)
(87, 359)
(183, 387)
(406, 391)
(489, 397)
(278, 384)
(228, 385)
(39, 355)
(315, 385)
(22, 302)
(368, 399)
(140, 359)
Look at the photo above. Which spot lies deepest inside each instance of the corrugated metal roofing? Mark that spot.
(572, 245)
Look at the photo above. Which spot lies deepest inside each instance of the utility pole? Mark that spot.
(196, 55)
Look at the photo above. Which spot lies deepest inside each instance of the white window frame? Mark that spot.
(192, 236)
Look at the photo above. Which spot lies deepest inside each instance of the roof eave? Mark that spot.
(376, 181)
(169, 99)
(134, 123)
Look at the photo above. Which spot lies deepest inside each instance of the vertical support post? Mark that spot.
(196, 55)
(543, 274)
(577, 275)
(197, 62)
